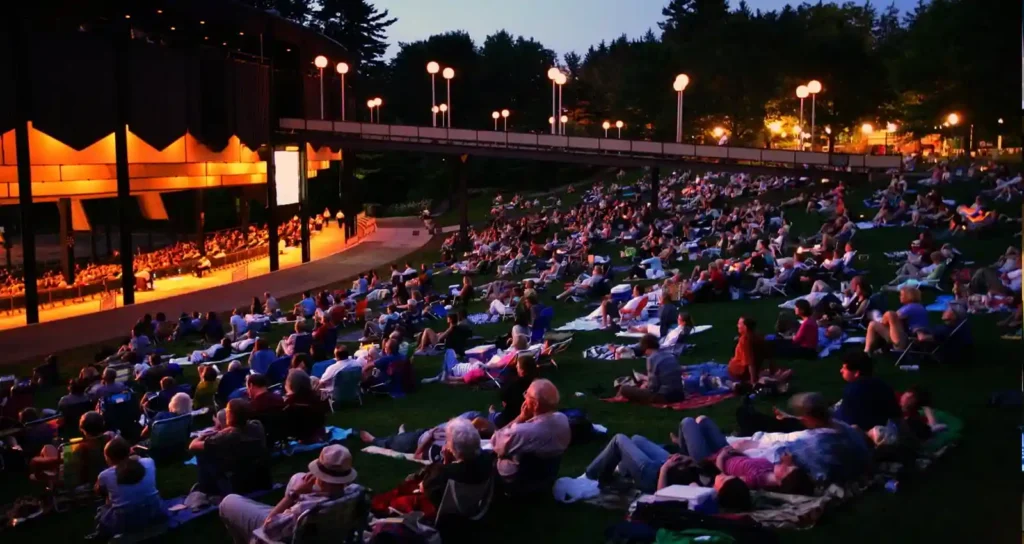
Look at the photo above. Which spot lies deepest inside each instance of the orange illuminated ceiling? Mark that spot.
(60, 171)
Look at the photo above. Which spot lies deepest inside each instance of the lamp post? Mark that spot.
(718, 132)
(434, 111)
(798, 133)
(370, 104)
(679, 85)
(889, 127)
(495, 115)
(606, 125)
(433, 68)
(563, 119)
(377, 103)
(952, 119)
(342, 70)
(504, 118)
(801, 93)
(814, 87)
(321, 62)
(553, 74)
(999, 138)
(775, 127)
(444, 113)
(619, 125)
(560, 80)
(448, 74)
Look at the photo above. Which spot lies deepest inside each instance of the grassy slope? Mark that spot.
(969, 497)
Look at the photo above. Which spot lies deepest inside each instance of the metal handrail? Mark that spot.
(517, 140)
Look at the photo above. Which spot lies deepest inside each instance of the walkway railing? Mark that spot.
(593, 146)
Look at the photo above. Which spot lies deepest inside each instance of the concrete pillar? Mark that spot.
(122, 91)
(66, 239)
(22, 109)
(272, 238)
(304, 203)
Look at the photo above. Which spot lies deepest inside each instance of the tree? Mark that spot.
(358, 26)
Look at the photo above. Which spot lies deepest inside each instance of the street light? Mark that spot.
(606, 125)
(504, 118)
(776, 128)
(495, 115)
(619, 125)
(801, 93)
(370, 104)
(718, 132)
(342, 69)
(444, 111)
(866, 128)
(377, 103)
(321, 62)
(564, 120)
(953, 119)
(560, 80)
(553, 75)
(679, 85)
(813, 87)
(433, 68)
(448, 74)
(889, 127)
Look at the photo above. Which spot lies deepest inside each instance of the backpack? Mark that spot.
(580, 426)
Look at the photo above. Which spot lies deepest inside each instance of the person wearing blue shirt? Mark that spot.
(867, 400)
(307, 305)
(380, 371)
(894, 326)
(261, 357)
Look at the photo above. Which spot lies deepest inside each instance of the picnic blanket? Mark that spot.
(178, 514)
(377, 450)
(191, 360)
(940, 304)
(784, 511)
(833, 345)
(589, 324)
(654, 328)
(690, 403)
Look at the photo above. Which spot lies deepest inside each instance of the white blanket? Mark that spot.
(655, 328)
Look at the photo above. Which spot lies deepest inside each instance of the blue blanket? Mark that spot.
(940, 304)
(336, 435)
(707, 379)
(180, 517)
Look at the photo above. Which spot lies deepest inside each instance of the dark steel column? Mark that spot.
(201, 221)
(303, 203)
(122, 90)
(350, 197)
(22, 109)
(66, 241)
(272, 236)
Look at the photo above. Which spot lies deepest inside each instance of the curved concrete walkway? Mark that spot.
(395, 238)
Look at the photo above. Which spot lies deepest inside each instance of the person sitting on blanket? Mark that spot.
(828, 449)
(702, 440)
(234, 455)
(540, 431)
(664, 382)
(804, 344)
(583, 284)
(931, 274)
(894, 326)
(455, 337)
(133, 502)
(287, 345)
(867, 400)
(330, 477)
(745, 365)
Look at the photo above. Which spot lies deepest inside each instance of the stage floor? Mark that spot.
(65, 327)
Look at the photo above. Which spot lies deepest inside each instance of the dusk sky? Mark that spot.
(562, 25)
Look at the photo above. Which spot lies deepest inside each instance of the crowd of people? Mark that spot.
(180, 255)
(261, 395)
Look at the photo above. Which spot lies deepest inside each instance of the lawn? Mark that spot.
(970, 496)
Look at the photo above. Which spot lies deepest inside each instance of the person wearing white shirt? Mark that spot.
(342, 362)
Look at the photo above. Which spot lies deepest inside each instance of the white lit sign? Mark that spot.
(286, 177)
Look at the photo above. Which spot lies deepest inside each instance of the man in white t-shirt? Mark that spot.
(238, 324)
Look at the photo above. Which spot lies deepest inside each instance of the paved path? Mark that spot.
(394, 239)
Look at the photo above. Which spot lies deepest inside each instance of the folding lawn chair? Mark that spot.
(920, 349)
(346, 388)
(338, 521)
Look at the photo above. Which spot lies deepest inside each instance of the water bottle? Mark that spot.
(910, 368)
(892, 486)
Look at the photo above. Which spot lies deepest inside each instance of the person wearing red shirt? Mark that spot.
(804, 344)
(745, 363)
(717, 279)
